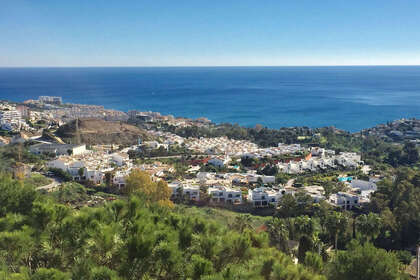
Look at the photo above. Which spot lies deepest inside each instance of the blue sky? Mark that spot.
(199, 33)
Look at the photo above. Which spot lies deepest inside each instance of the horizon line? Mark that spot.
(212, 66)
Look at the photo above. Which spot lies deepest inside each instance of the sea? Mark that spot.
(349, 98)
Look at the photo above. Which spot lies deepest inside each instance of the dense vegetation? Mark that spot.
(398, 203)
(16, 153)
(143, 237)
(132, 239)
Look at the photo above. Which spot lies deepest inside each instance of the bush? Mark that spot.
(65, 176)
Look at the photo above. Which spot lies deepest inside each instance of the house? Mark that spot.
(219, 161)
(345, 200)
(120, 159)
(58, 149)
(222, 194)
(363, 185)
(94, 176)
(193, 192)
(364, 188)
(58, 163)
(119, 178)
(151, 144)
(316, 192)
(204, 176)
(189, 191)
(74, 168)
(253, 178)
(263, 197)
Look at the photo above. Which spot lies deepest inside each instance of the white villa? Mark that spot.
(58, 149)
(191, 191)
(93, 166)
(222, 194)
(253, 178)
(364, 188)
(219, 161)
(345, 200)
(263, 197)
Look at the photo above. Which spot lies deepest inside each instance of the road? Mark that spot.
(50, 187)
(290, 183)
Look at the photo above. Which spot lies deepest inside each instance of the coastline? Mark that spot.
(349, 98)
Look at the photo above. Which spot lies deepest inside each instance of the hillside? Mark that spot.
(97, 131)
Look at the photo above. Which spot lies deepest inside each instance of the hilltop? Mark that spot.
(97, 131)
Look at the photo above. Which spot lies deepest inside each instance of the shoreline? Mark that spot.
(209, 121)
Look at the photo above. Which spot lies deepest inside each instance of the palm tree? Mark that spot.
(242, 222)
(336, 223)
(278, 232)
(369, 225)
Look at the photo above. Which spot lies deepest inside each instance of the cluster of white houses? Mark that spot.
(359, 191)
(12, 118)
(281, 149)
(212, 178)
(325, 161)
(221, 145)
(93, 166)
(167, 138)
(258, 197)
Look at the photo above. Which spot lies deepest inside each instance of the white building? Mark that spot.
(190, 191)
(93, 175)
(58, 149)
(316, 192)
(253, 178)
(119, 178)
(219, 161)
(222, 194)
(263, 197)
(50, 100)
(345, 200)
(365, 188)
(70, 166)
(151, 145)
(11, 119)
(120, 159)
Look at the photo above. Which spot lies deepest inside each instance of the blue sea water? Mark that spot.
(350, 98)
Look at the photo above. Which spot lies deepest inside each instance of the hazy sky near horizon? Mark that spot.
(209, 33)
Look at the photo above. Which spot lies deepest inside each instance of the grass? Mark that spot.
(221, 216)
(37, 180)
